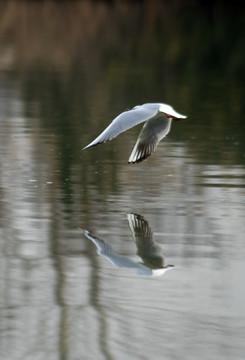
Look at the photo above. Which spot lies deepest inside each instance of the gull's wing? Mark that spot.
(153, 131)
(139, 227)
(125, 121)
(102, 247)
(119, 261)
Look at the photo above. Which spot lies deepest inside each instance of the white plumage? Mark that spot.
(157, 118)
(150, 252)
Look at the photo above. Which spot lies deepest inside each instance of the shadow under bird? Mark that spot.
(157, 117)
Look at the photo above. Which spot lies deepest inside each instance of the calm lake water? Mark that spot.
(85, 238)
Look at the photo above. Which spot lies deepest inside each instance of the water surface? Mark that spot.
(60, 86)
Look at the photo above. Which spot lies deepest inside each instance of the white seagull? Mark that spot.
(150, 252)
(157, 118)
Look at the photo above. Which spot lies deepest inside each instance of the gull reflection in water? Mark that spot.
(148, 250)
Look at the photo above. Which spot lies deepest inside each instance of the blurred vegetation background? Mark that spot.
(75, 61)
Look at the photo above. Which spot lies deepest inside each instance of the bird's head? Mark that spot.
(171, 113)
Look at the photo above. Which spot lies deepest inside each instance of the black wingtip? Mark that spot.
(142, 158)
(138, 160)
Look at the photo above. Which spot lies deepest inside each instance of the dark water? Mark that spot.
(66, 70)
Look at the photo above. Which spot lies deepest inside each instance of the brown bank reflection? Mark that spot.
(148, 250)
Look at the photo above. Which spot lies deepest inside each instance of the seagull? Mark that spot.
(157, 118)
(148, 249)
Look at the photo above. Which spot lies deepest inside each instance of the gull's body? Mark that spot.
(157, 118)
(149, 251)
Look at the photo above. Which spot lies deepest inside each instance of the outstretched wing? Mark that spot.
(140, 229)
(153, 131)
(102, 247)
(125, 121)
